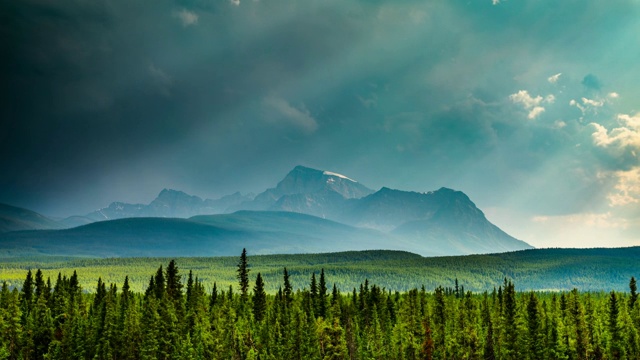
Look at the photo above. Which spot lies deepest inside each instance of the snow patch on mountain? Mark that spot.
(329, 173)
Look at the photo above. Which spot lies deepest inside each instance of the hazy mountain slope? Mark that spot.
(442, 222)
(13, 218)
(75, 221)
(264, 233)
(168, 203)
(456, 226)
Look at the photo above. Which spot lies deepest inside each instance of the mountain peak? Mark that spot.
(305, 180)
(172, 192)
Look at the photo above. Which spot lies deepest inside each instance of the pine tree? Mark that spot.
(616, 349)
(174, 284)
(440, 321)
(243, 276)
(40, 286)
(313, 292)
(322, 296)
(26, 296)
(151, 288)
(214, 297)
(510, 329)
(259, 299)
(12, 331)
(189, 290)
(159, 289)
(534, 328)
(634, 295)
(288, 290)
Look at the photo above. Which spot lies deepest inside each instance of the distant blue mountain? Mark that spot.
(308, 211)
(169, 203)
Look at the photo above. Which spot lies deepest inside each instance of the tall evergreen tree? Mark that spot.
(288, 290)
(26, 295)
(40, 286)
(259, 299)
(159, 284)
(322, 296)
(616, 350)
(214, 296)
(510, 334)
(313, 292)
(174, 283)
(243, 276)
(633, 288)
(534, 329)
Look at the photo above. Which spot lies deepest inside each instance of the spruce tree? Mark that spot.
(189, 290)
(259, 299)
(174, 284)
(214, 297)
(26, 295)
(633, 288)
(534, 328)
(159, 284)
(616, 350)
(510, 324)
(313, 292)
(322, 296)
(288, 290)
(243, 276)
(39, 285)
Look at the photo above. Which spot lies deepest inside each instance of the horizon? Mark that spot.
(528, 107)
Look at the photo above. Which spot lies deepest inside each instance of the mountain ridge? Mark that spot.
(440, 222)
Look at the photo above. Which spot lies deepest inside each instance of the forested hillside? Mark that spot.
(540, 269)
(176, 317)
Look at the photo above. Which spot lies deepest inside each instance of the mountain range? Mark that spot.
(309, 210)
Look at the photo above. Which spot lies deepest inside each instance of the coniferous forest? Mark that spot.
(176, 318)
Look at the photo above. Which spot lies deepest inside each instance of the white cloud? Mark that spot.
(595, 103)
(235, 2)
(627, 188)
(554, 78)
(559, 124)
(613, 95)
(623, 137)
(588, 105)
(550, 99)
(187, 17)
(495, 2)
(630, 121)
(533, 104)
(535, 112)
(525, 99)
(300, 118)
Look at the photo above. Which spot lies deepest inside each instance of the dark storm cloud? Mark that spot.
(109, 101)
(591, 82)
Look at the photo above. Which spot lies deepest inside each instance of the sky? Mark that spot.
(531, 107)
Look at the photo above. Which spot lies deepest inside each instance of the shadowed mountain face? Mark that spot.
(211, 235)
(308, 211)
(14, 219)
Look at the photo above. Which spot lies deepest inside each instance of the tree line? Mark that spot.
(176, 320)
